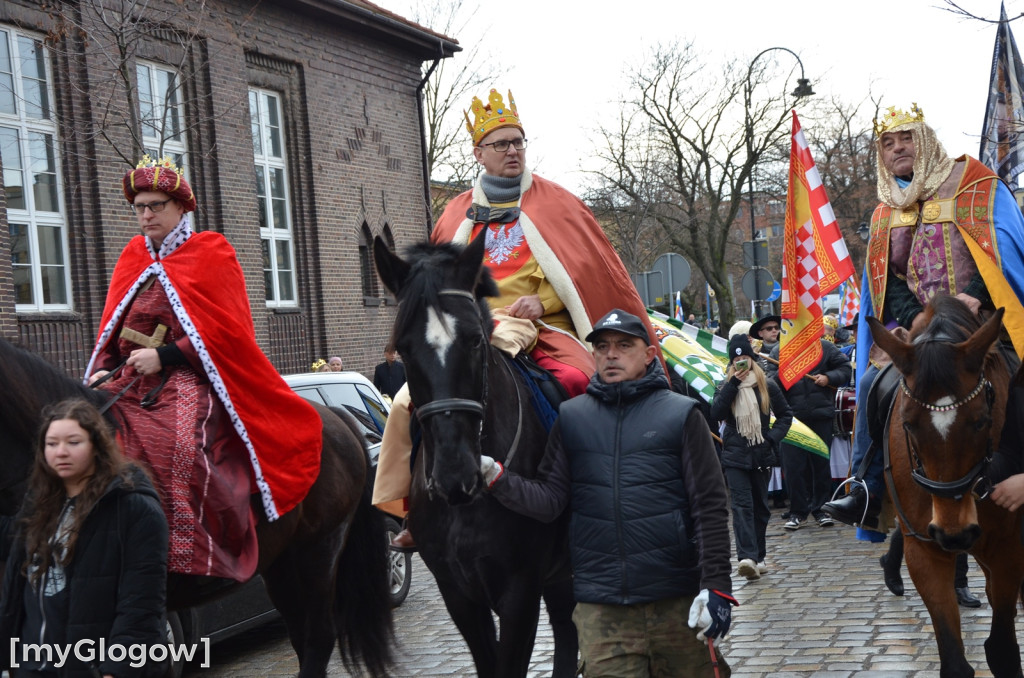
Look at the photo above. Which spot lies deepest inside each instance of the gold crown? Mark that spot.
(491, 116)
(318, 363)
(895, 118)
(164, 162)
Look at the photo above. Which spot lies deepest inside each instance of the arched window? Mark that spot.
(367, 271)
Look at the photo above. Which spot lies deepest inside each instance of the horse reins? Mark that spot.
(147, 400)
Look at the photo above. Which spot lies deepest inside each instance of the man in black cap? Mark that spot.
(630, 446)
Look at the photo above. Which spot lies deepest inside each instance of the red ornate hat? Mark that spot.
(159, 175)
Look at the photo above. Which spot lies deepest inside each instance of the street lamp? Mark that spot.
(803, 89)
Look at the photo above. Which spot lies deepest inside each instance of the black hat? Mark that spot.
(740, 345)
(755, 329)
(620, 321)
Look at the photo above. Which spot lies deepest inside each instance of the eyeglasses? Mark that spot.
(154, 207)
(502, 146)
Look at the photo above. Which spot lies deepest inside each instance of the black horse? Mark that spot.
(469, 400)
(322, 562)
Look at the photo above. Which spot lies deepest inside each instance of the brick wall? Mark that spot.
(354, 156)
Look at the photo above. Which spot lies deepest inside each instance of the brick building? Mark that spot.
(298, 127)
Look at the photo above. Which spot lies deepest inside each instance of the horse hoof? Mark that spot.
(893, 580)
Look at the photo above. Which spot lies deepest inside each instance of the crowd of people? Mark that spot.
(623, 442)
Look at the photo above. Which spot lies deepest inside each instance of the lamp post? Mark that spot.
(803, 89)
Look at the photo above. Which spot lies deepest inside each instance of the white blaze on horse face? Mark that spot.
(440, 332)
(942, 421)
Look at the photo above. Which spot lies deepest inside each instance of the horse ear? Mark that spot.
(390, 267)
(977, 346)
(901, 352)
(471, 261)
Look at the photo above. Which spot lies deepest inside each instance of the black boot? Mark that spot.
(965, 598)
(851, 508)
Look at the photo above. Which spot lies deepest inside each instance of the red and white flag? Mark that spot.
(850, 304)
(815, 261)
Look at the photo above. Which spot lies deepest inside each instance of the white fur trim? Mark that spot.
(212, 373)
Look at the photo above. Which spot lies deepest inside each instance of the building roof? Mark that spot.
(422, 41)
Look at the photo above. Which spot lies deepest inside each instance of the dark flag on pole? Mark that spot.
(1002, 136)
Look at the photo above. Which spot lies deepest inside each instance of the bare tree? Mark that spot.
(447, 94)
(623, 204)
(955, 8)
(702, 137)
(128, 115)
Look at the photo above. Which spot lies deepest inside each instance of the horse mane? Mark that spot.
(428, 264)
(29, 383)
(950, 323)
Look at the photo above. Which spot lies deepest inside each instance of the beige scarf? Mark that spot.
(747, 412)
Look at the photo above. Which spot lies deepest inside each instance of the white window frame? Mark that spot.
(175, 147)
(273, 236)
(35, 219)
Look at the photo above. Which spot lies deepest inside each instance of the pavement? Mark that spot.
(821, 611)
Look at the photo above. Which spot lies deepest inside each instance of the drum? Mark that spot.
(845, 409)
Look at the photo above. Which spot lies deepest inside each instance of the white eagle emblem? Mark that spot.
(501, 244)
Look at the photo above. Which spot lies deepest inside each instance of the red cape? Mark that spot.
(569, 228)
(281, 430)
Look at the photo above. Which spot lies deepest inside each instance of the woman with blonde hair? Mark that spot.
(750, 443)
(89, 558)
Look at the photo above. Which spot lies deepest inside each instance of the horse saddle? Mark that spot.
(548, 392)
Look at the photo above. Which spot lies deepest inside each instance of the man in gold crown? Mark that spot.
(943, 226)
(177, 345)
(556, 270)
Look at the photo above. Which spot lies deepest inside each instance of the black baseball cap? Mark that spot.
(620, 321)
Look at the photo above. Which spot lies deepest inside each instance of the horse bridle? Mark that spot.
(447, 406)
(954, 489)
(975, 479)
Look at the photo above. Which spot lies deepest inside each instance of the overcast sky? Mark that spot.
(568, 58)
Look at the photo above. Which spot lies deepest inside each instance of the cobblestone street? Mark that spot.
(822, 610)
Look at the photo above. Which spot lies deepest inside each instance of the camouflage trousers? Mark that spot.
(640, 641)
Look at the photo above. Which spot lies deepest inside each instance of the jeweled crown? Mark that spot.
(164, 162)
(492, 115)
(894, 118)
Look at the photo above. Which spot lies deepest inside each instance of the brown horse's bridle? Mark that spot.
(976, 480)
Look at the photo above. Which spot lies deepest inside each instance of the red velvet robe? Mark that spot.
(234, 399)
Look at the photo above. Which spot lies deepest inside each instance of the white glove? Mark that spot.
(491, 469)
(699, 614)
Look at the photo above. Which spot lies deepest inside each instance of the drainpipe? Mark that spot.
(423, 137)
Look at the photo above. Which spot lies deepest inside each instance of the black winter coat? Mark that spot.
(737, 452)
(809, 401)
(116, 580)
(649, 509)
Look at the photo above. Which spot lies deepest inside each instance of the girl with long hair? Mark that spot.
(750, 443)
(88, 561)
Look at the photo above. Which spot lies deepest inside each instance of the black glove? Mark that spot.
(720, 607)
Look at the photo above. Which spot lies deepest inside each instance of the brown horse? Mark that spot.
(323, 563)
(944, 425)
